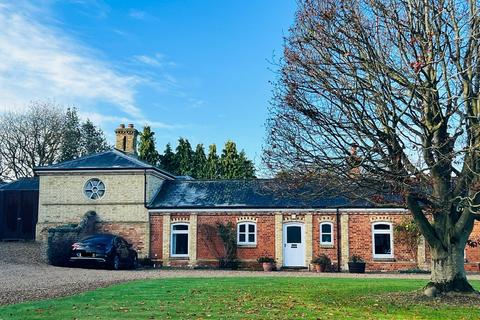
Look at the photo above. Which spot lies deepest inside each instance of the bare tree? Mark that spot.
(390, 89)
(30, 139)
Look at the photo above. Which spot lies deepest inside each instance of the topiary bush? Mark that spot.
(61, 238)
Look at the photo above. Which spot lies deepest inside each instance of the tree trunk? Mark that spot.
(448, 271)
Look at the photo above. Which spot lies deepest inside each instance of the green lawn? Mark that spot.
(247, 298)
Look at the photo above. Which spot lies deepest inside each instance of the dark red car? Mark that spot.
(107, 250)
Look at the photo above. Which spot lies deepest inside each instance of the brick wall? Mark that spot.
(156, 237)
(360, 243)
(135, 233)
(330, 251)
(209, 247)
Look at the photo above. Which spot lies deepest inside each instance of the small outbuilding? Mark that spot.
(19, 209)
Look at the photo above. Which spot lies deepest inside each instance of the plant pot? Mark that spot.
(320, 267)
(267, 266)
(356, 267)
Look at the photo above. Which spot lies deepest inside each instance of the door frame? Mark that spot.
(284, 241)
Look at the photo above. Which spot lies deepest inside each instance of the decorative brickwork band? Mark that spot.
(308, 238)
(279, 239)
(381, 219)
(294, 218)
(344, 241)
(247, 218)
(421, 254)
(193, 240)
(166, 239)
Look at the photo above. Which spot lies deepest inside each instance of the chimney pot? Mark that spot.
(122, 126)
(130, 125)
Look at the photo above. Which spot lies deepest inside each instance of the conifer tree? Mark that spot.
(167, 160)
(184, 158)
(92, 139)
(246, 168)
(212, 166)
(229, 161)
(70, 148)
(199, 162)
(146, 147)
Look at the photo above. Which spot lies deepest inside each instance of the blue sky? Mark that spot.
(196, 69)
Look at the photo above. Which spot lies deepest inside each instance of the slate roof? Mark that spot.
(21, 184)
(260, 193)
(108, 160)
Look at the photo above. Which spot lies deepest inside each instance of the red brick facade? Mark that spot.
(209, 247)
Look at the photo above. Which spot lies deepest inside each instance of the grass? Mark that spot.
(248, 298)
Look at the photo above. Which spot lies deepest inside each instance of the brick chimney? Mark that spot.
(126, 139)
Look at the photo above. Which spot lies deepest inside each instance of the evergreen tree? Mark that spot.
(229, 161)
(92, 139)
(199, 162)
(246, 168)
(146, 147)
(212, 165)
(184, 158)
(167, 160)
(70, 148)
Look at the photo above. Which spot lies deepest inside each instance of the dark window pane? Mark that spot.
(180, 227)
(241, 237)
(294, 234)
(242, 228)
(382, 244)
(326, 238)
(381, 227)
(251, 238)
(251, 228)
(326, 228)
(180, 244)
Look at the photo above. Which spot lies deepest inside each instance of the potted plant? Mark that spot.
(321, 262)
(267, 263)
(356, 264)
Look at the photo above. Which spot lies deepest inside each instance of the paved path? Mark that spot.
(24, 277)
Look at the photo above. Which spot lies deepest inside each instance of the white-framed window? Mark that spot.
(247, 233)
(382, 240)
(179, 240)
(326, 233)
(94, 189)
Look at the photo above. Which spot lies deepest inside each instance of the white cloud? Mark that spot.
(39, 61)
(157, 60)
(101, 119)
(138, 14)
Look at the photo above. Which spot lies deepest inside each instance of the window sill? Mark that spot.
(383, 259)
(179, 258)
(246, 245)
(326, 245)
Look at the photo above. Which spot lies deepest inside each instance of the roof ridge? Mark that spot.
(227, 180)
(76, 159)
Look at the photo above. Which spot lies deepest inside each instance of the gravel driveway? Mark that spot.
(25, 277)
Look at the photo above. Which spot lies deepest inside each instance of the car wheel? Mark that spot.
(116, 262)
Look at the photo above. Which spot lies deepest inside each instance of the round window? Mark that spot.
(94, 189)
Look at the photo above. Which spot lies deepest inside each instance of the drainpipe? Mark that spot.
(145, 188)
(339, 250)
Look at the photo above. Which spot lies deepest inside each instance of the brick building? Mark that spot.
(173, 220)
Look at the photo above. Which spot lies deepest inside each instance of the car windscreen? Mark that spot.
(97, 240)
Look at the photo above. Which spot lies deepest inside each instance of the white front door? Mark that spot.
(293, 245)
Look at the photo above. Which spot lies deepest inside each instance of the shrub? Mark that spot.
(228, 235)
(265, 260)
(356, 259)
(322, 259)
(61, 238)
